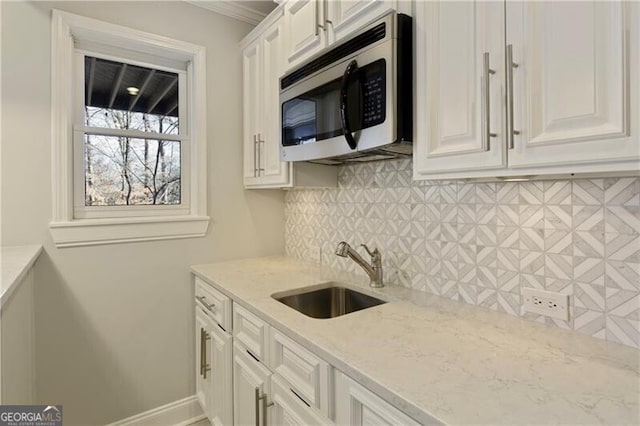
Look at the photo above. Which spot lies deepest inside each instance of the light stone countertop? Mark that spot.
(442, 361)
(15, 262)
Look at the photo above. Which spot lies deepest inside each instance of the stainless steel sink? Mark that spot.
(331, 301)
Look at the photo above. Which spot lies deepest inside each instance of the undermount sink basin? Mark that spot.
(330, 301)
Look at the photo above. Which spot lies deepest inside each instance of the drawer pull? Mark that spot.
(203, 300)
(300, 398)
(252, 355)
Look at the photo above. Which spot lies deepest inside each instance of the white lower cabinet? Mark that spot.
(213, 348)
(221, 350)
(308, 376)
(355, 406)
(203, 378)
(213, 353)
(289, 408)
(259, 376)
(251, 388)
(275, 380)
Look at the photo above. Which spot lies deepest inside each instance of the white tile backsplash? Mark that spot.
(480, 243)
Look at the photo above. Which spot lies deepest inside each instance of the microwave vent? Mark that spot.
(353, 45)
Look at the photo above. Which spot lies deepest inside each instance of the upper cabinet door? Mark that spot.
(346, 16)
(573, 100)
(252, 86)
(305, 29)
(459, 69)
(274, 171)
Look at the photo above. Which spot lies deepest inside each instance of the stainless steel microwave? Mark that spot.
(352, 102)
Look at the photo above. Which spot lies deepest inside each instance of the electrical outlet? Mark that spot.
(548, 303)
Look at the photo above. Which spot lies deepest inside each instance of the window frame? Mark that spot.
(73, 223)
(80, 209)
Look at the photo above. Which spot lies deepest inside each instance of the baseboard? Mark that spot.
(177, 413)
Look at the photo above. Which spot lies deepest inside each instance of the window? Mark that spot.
(128, 135)
(128, 138)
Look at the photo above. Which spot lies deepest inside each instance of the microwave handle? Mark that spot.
(344, 92)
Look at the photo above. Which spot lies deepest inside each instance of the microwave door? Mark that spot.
(351, 103)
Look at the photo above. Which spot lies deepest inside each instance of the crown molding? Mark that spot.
(232, 9)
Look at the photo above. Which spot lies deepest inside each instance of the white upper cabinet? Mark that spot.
(251, 109)
(311, 25)
(572, 94)
(460, 45)
(566, 103)
(262, 67)
(305, 29)
(345, 16)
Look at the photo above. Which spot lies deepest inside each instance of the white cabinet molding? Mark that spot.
(232, 9)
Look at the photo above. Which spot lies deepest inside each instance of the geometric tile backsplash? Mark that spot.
(480, 243)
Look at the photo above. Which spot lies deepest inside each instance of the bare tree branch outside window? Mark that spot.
(128, 171)
(120, 170)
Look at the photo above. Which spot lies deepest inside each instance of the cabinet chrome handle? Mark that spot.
(509, 66)
(257, 400)
(265, 405)
(318, 24)
(260, 147)
(203, 300)
(486, 102)
(255, 155)
(326, 14)
(202, 351)
(204, 367)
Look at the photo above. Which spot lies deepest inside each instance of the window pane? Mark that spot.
(125, 96)
(123, 171)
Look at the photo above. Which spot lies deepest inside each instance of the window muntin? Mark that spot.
(132, 154)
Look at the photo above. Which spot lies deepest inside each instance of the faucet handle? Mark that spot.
(373, 253)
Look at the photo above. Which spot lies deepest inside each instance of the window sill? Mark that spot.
(89, 232)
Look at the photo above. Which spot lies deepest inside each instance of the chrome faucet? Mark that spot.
(374, 270)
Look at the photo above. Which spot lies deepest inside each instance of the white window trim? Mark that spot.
(69, 231)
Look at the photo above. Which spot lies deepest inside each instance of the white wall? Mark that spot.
(114, 323)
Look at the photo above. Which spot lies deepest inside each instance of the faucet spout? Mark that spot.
(373, 270)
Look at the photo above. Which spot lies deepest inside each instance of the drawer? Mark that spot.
(217, 305)
(251, 331)
(289, 408)
(308, 376)
(353, 401)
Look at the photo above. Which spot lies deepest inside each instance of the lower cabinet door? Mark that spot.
(221, 360)
(356, 405)
(251, 386)
(290, 409)
(203, 355)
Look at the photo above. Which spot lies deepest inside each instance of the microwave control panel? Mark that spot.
(374, 101)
